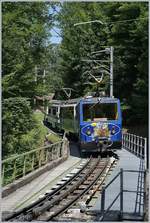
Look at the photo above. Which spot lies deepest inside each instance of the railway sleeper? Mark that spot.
(87, 182)
(81, 187)
(38, 210)
(71, 201)
(78, 191)
(71, 196)
(79, 183)
(91, 176)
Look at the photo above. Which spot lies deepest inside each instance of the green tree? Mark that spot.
(25, 37)
(129, 35)
(25, 44)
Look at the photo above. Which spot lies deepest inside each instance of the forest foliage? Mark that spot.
(125, 27)
(25, 46)
(27, 51)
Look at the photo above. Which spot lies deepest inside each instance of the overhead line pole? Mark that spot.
(110, 50)
(111, 71)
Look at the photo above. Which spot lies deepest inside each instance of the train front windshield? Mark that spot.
(100, 112)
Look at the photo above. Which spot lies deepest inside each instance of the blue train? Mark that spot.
(96, 121)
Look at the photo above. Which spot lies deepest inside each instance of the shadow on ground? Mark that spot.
(75, 151)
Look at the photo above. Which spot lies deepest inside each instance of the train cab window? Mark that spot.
(100, 112)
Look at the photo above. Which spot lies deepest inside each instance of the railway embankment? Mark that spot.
(34, 163)
(31, 176)
(84, 178)
(51, 151)
(40, 181)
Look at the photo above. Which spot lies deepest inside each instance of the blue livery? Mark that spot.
(97, 122)
(100, 123)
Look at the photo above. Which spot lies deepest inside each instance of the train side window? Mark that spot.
(61, 114)
(67, 112)
(54, 111)
(49, 111)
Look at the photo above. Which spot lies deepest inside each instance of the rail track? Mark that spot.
(57, 202)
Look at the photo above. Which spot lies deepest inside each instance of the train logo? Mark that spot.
(100, 130)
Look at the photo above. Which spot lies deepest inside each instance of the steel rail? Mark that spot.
(51, 201)
(63, 209)
(67, 192)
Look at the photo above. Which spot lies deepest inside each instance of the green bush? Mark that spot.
(17, 119)
(22, 129)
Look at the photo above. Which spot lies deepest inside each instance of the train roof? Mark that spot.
(100, 99)
(75, 101)
(65, 103)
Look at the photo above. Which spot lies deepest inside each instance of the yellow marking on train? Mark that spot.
(93, 124)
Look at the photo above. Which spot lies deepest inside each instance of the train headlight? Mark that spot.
(88, 132)
(113, 131)
(94, 124)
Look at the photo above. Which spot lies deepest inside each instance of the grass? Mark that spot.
(39, 116)
(53, 138)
